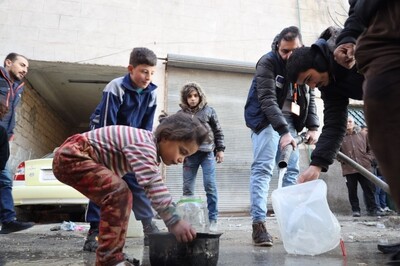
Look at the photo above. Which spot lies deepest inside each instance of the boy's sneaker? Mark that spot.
(260, 235)
(14, 226)
(356, 214)
(387, 209)
(213, 226)
(148, 229)
(92, 240)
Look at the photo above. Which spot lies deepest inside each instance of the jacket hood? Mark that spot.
(186, 89)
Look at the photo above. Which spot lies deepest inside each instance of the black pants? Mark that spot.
(368, 191)
(382, 112)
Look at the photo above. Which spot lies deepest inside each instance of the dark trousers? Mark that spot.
(382, 112)
(141, 209)
(368, 191)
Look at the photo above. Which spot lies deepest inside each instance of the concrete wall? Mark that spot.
(38, 129)
(105, 31)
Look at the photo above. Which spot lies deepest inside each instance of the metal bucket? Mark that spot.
(165, 250)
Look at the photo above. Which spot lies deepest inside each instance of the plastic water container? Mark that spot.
(193, 210)
(306, 224)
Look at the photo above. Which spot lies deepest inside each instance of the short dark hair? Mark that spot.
(142, 56)
(12, 57)
(181, 127)
(287, 34)
(303, 59)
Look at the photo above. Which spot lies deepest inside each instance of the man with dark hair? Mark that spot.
(11, 87)
(275, 111)
(316, 67)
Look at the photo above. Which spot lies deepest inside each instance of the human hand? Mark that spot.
(219, 157)
(344, 55)
(311, 173)
(183, 231)
(312, 137)
(287, 139)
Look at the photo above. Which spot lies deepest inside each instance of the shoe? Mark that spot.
(14, 226)
(387, 209)
(376, 213)
(148, 229)
(213, 226)
(92, 240)
(389, 248)
(260, 235)
(129, 261)
(356, 214)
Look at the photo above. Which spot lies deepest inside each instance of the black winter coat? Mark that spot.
(344, 84)
(267, 94)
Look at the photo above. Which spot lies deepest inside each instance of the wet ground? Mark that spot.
(41, 246)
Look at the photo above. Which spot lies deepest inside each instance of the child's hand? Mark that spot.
(183, 231)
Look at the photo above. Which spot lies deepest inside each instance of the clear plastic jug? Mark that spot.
(306, 224)
(193, 210)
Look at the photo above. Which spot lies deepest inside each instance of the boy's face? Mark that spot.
(193, 99)
(313, 78)
(141, 75)
(174, 151)
(17, 69)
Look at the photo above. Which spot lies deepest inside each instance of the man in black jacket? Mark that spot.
(316, 67)
(275, 111)
(374, 24)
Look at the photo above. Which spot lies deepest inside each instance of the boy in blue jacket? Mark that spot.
(131, 101)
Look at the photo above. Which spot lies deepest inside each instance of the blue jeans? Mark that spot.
(141, 204)
(190, 168)
(380, 195)
(265, 156)
(7, 212)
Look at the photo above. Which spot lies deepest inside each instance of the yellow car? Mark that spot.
(35, 188)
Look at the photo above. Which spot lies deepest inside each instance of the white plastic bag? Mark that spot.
(306, 224)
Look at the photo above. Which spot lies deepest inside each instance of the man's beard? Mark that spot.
(14, 77)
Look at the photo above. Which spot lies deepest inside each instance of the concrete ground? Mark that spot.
(41, 246)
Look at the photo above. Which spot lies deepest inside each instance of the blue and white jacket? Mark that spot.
(10, 96)
(123, 104)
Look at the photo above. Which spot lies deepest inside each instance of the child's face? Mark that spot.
(193, 99)
(141, 75)
(174, 152)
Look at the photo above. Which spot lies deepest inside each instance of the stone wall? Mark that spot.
(38, 129)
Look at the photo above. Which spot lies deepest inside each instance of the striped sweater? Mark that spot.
(124, 150)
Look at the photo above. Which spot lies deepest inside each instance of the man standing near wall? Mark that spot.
(11, 87)
(275, 111)
(355, 145)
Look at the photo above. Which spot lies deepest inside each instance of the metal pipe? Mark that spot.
(288, 149)
(374, 179)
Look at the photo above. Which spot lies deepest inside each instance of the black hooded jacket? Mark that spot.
(344, 84)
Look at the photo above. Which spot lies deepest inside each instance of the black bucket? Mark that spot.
(165, 250)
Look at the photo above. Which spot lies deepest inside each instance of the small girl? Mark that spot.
(94, 162)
